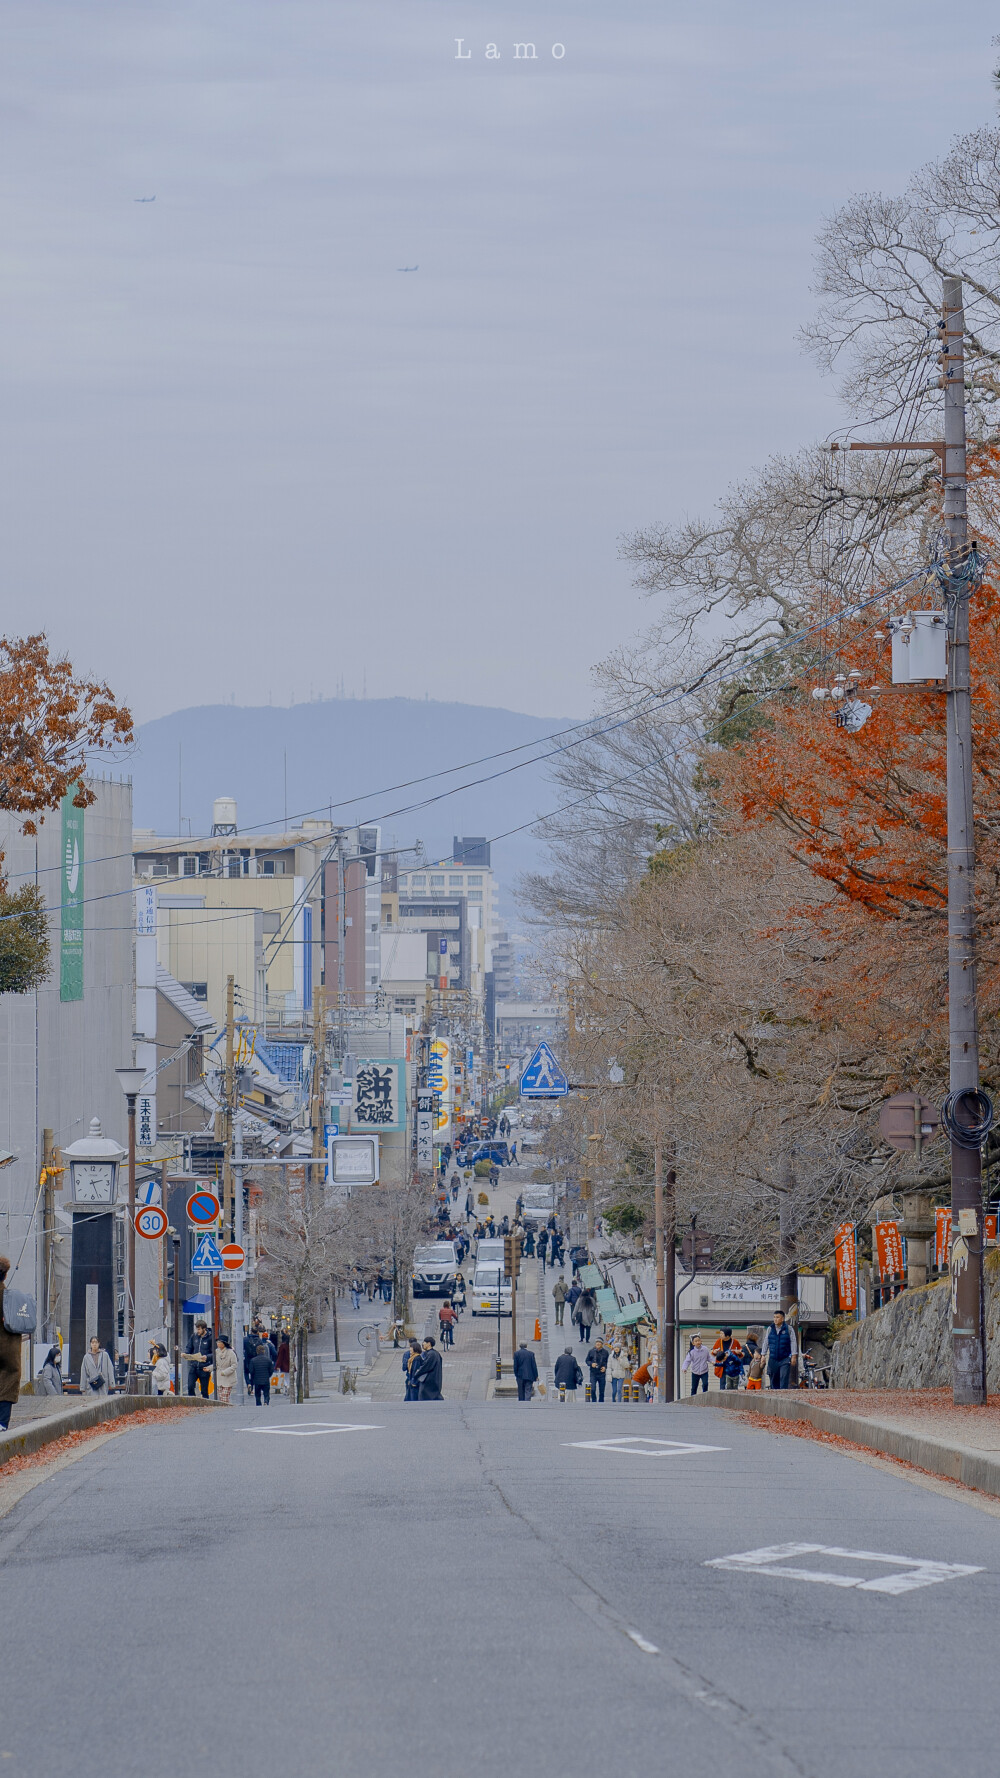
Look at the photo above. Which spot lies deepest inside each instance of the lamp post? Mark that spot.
(176, 1241)
(131, 1080)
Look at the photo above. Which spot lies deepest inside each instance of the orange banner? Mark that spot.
(990, 1225)
(942, 1237)
(847, 1266)
(889, 1249)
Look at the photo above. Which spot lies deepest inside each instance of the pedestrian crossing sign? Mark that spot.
(543, 1078)
(207, 1257)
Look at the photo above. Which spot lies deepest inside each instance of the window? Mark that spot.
(437, 882)
(272, 921)
(455, 882)
(475, 895)
(234, 867)
(475, 882)
(190, 867)
(418, 882)
(197, 990)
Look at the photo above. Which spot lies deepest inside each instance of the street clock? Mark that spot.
(93, 1170)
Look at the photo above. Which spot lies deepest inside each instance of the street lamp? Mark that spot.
(130, 1080)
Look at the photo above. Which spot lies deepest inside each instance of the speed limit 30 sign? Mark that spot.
(151, 1222)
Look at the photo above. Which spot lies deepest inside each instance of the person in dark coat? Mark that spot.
(250, 1344)
(542, 1246)
(261, 1372)
(529, 1244)
(200, 1351)
(411, 1372)
(525, 1371)
(597, 1364)
(431, 1370)
(10, 1358)
(568, 1374)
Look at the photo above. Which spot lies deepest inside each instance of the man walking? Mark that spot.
(559, 1295)
(597, 1364)
(542, 1245)
(261, 1372)
(568, 1374)
(697, 1362)
(431, 1369)
(779, 1348)
(525, 1372)
(199, 1350)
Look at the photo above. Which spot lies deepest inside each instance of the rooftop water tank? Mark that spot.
(224, 814)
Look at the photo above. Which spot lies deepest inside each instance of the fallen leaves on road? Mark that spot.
(70, 1441)
(805, 1429)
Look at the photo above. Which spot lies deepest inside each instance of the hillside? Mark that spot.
(349, 753)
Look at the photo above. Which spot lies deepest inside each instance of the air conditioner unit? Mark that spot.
(919, 647)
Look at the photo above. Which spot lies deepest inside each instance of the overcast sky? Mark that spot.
(244, 455)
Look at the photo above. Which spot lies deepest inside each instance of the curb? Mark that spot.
(39, 1433)
(956, 1463)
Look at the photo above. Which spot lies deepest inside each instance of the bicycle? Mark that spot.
(365, 1332)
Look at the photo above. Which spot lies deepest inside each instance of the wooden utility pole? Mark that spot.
(666, 1227)
(318, 1097)
(661, 1282)
(967, 1330)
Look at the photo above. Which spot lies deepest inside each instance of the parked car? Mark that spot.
(435, 1269)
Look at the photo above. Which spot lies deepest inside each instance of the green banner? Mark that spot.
(71, 945)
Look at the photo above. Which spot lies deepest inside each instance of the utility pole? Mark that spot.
(228, 1114)
(666, 1222)
(318, 1105)
(967, 1332)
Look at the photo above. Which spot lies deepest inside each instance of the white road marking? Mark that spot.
(648, 1648)
(640, 1447)
(916, 1571)
(310, 1428)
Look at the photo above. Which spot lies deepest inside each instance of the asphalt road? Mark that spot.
(454, 1591)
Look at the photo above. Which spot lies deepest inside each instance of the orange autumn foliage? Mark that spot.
(50, 722)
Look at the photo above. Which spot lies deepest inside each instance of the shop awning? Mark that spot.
(591, 1278)
(607, 1304)
(628, 1316)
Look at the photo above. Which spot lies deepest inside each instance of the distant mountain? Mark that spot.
(349, 753)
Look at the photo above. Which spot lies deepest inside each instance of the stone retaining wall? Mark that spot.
(907, 1344)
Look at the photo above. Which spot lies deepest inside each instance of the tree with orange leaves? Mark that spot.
(51, 721)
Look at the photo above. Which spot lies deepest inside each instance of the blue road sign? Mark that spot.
(207, 1257)
(543, 1078)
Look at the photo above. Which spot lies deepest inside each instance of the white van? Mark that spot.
(487, 1283)
(490, 1251)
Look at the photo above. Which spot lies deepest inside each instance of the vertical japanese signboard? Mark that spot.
(71, 878)
(942, 1236)
(379, 1101)
(425, 1129)
(847, 1266)
(889, 1249)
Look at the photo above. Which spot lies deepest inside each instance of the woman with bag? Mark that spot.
(97, 1374)
(49, 1379)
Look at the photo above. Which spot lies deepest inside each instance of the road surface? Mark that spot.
(476, 1589)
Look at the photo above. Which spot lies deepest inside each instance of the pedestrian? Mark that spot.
(542, 1246)
(617, 1371)
(199, 1351)
(697, 1362)
(357, 1286)
(97, 1373)
(469, 1207)
(727, 1355)
(559, 1295)
(574, 1294)
(458, 1294)
(411, 1358)
(226, 1370)
(779, 1348)
(585, 1313)
(525, 1372)
(431, 1368)
(753, 1358)
(505, 1225)
(446, 1319)
(251, 1340)
(48, 1381)
(597, 1364)
(282, 1365)
(529, 1244)
(261, 1372)
(555, 1249)
(385, 1286)
(10, 1358)
(161, 1371)
(568, 1374)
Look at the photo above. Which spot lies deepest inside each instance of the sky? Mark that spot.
(244, 457)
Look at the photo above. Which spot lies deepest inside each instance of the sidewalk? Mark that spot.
(922, 1427)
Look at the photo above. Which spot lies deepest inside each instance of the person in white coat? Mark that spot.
(161, 1370)
(227, 1369)
(97, 1373)
(617, 1371)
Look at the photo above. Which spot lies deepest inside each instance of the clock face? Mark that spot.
(93, 1181)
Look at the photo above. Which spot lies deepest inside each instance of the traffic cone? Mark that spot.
(538, 1328)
